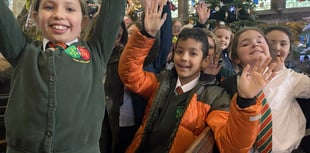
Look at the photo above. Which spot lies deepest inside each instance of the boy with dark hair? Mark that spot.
(180, 105)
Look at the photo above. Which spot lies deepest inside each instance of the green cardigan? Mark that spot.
(56, 102)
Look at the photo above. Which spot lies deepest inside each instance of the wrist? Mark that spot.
(145, 33)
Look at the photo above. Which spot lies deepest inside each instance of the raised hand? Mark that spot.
(203, 12)
(254, 79)
(211, 65)
(153, 19)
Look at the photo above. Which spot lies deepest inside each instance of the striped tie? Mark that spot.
(264, 138)
(58, 45)
(179, 90)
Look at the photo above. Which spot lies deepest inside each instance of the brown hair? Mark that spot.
(84, 8)
(217, 49)
(234, 44)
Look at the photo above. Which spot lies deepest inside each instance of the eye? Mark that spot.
(178, 51)
(69, 9)
(192, 53)
(284, 44)
(49, 7)
(244, 44)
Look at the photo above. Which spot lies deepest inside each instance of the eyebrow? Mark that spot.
(249, 39)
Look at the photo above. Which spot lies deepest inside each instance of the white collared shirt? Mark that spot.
(288, 120)
(189, 86)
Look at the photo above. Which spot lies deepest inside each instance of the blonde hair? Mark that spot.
(225, 28)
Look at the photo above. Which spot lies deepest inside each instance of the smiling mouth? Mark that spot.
(183, 66)
(59, 27)
(255, 51)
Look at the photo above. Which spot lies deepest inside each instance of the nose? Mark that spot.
(276, 46)
(58, 13)
(255, 44)
(184, 57)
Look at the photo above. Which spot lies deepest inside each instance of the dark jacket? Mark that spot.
(197, 114)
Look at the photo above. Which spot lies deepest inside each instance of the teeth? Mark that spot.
(59, 27)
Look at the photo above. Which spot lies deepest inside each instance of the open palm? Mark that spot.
(153, 19)
(254, 79)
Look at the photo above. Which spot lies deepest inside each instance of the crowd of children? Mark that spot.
(110, 88)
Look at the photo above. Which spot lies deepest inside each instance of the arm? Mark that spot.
(137, 48)
(165, 43)
(10, 33)
(107, 26)
(238, 131)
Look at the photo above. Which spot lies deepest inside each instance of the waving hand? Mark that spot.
(153, 19)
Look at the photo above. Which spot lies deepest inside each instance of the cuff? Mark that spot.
(144, 33)
(245, 102)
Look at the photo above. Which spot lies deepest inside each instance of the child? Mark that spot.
(224, 36)
(249, 47)
(56, 99)
(177, 24)
(173, 121)
(211, 65)
(289, 122)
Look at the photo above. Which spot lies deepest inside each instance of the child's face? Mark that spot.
(176, 28)
(223, 37)
(60, 20)
(279, 43)
(187, 59)
(251, 46)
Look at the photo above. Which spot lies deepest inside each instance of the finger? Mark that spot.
(245, 71)
(203, 5)
(161, 7)
(154, 6)
(270, 73)
(147, 10)
(264, 65)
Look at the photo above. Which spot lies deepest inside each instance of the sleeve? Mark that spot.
(236, 130)
(12, 38)
(130, 66)
(165, 43)
(106, 27)
(301, 85)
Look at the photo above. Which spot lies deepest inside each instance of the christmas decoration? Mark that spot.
(234, 13)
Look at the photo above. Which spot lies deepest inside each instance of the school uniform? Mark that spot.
(288, 121)
(182, 119)
(56, 102)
